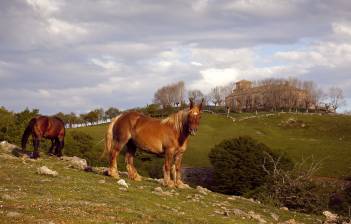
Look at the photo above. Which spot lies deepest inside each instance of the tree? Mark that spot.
(216, 96)
(7, 125)
(237, 165)
(196, 95)
(170, 95)
(336, 98)
(310, 89)
(112, 112)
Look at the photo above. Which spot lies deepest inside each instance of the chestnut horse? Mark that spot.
(168, 137)
(46, 127)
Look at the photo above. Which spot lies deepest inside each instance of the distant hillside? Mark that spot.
(75, 196)
(326, 137)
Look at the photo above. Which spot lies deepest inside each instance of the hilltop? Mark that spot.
(325, 137)
(76, 196)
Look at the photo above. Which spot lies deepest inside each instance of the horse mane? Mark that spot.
(177, 120)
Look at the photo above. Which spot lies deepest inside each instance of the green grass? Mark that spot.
(327, 138)
(77, 197)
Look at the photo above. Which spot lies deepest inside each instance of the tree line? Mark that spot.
(91, 117)
(268, 94)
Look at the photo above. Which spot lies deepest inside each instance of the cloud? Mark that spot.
(60, 55)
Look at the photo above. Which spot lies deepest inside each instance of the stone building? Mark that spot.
(267, 96)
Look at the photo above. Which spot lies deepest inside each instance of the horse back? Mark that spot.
(49, 127)
(147, 133)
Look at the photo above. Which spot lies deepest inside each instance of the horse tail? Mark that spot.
(27, 132)
(109, 137)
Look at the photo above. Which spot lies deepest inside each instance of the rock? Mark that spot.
(123, 189)
(284, 208)
(46, 171)
(101, 181)
(122, 183)
(7, 197)
(13, 214)
(98, 170)
(231, 198)
(275, 217)
(330, 217)
(257, 217)
(160, 181)
(290, 221)
(158, 189)
(239, 212)
(202, 190)
(76, 162)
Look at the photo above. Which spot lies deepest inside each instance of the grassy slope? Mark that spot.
(327, 138)
(77, 197)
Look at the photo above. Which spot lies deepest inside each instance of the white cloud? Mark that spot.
(215, 77)
(268, 8)
(199, 5)
(107, 64)
(64, 29)
(340, 28)
(45, 7)
(64, 55)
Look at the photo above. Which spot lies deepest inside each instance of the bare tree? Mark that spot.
(216, 96)
(170, 95)
(336, 98)
(179, 93)
(196, 95)
(310, 94)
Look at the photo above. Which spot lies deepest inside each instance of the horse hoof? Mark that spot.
(137, 178)
(34, 155)
(111, 174)
(169, 184)
(181, 185)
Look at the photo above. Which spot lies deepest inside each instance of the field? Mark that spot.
(75, 196)
(326, 138)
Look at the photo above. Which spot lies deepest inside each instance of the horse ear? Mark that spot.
(191, 103)
(202, 102)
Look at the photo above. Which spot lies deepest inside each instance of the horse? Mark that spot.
(167, 137)
(39, 127)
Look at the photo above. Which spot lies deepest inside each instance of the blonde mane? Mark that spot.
(177, 120)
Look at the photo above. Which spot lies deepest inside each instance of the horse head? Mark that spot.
(194, 116)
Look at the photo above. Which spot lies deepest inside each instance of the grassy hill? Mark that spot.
(326, 138)
(75, 196)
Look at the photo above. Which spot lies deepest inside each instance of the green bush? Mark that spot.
(238, 165)
(78, 144)
(12, 124)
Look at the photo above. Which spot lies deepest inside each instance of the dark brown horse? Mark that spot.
(40, 127)
(168, 137)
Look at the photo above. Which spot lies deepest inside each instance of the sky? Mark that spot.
(75, 56)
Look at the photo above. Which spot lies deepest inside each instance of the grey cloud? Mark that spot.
(78, 55)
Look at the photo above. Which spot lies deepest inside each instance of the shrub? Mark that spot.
(296, 188)
(340, 201)
(78, 144)
(237, 165)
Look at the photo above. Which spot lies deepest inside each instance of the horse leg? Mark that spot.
(60, 145)
(36, 142)
(169, 154)
(52, 147)
(112, 170)
(177, 171)
(129, 159)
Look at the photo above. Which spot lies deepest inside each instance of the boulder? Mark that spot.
(46, 171)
